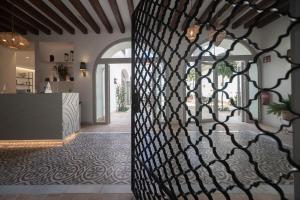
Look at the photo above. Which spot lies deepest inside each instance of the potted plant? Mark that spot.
(62, 72)
(282, 109)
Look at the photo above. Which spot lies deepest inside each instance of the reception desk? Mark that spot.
(53, 116)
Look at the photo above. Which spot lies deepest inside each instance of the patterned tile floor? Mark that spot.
(104, 158)
(88, 159)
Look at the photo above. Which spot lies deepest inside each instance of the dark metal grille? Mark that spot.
(176, 154)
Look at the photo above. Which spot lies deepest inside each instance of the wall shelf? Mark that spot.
(59, 62)
(25, 81)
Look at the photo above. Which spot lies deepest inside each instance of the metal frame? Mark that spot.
(295, 47)
(157, 171)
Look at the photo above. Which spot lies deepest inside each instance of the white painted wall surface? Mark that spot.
(86, 47)
(277, 68)
(7, 70)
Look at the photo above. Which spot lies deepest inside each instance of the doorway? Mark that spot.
(205, 78)
(113, 85)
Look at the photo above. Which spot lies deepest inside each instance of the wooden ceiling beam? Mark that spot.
(17, 22)
(13, 10)
(114, 6)
(68, 13)
(41, 5)
(209, 8)
(280, 6)
(272, 16)
(251, 13)
(162, 11)
(164, 7)
(4, 28)
(187, 21)
(37, 15)
(7, 25)
(130, 7)
(215, 18)
(85, 14)
(101, 14)
(176, 15)
(238, 12)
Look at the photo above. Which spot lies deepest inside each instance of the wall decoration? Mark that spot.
(267, 59)
(51, 58)
(71, 56)
(66, 57)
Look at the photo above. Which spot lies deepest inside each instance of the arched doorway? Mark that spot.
(238, 89)
(112, 84)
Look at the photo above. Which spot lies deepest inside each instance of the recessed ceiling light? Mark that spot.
(27, 57)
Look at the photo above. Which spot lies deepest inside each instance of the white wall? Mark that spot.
(277, 68)
(86, 47)
(7, 70)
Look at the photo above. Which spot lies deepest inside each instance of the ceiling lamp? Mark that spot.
(13, 40)
(219, 38)
(192, 32)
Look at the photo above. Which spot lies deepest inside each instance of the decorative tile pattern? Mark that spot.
(70, 115)
(94, 158)
(88, 159)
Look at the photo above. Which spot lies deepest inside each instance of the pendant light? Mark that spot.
(192, 31)
(12, 39)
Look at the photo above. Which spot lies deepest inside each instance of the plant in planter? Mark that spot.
(282, 109)
(120, 96)
(62, 72)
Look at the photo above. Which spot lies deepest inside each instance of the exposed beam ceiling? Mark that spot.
(8, 26)
(271, 17)
(197, 4)
(40, 4)
(130, 7)
(209, 8)
(37, 15)
(85, 14)
(215, 18)
(45, 16)
(251, 13)
(67, 13)
(101, 14)
(238, 12)
(13, 10)
(162, 11)
(282, 5)
(178, 11)
(115, 8)
(6, 16)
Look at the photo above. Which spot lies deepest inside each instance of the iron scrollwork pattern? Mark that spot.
(169, 159)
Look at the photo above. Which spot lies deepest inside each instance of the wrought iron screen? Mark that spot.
(194, 134)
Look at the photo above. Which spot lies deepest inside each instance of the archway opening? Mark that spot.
(223, 74)
(113, 85)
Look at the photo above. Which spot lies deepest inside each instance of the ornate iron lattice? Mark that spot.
(176, 153)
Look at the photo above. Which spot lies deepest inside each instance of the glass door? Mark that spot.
(102, 94)
(206, 90)
(200, 101)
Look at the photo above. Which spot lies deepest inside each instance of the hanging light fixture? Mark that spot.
(192, 32)
(12, 39)
(219, 38)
